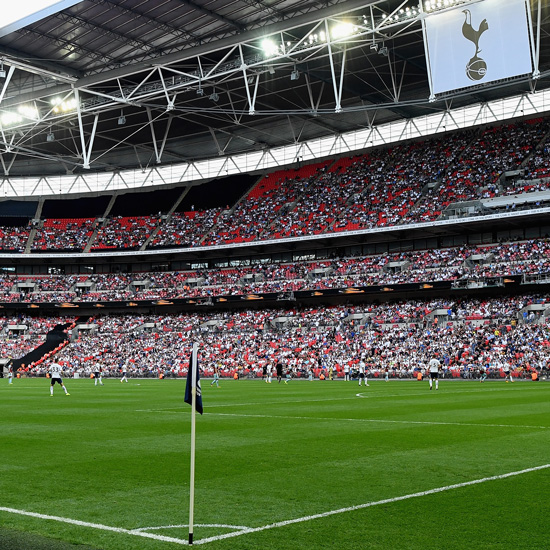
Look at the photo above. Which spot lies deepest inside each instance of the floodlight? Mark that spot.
(342, 30)
(10, 118)
(214, 97)
(61, 106)
(28, 111)
(269, 47)
(50, 137)
(121, 120)
(295, 74)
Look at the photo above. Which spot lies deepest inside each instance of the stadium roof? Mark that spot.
(104, 85)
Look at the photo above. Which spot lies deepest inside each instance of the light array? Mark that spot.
(24, 112)
(346, 29)
(403, 13)
(337, 32)
(63, 106)
(27, 113)
(435, 5)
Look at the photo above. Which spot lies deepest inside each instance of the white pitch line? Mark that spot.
(247, 530)
(216, 525)
(281, 402)
(383, 421)
(367, 505)
(481, 389)
(262, 403)
(296, 401)
(93, 525)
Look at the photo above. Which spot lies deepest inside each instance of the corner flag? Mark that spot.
(193, 381)
(193, 396)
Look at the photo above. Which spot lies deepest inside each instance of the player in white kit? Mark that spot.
(433, 366)
(55, 373)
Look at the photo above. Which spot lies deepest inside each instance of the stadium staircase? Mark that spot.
(30, 240)
(35, 224)
(164, 219)
(100, 222)
(56, 339)
(230, 211)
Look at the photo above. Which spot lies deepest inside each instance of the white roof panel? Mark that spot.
(21, 14)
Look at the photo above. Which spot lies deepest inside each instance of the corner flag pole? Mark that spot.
(193, 407)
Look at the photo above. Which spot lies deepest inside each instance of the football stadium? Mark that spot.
(275, 274)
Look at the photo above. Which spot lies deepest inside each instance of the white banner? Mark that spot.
(477, 43)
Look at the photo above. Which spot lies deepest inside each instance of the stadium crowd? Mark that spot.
(467, 335)
(403, 184)
(447, 264)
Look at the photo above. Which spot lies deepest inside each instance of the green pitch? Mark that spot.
(282, 466)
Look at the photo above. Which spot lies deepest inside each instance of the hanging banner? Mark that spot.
(477, 43)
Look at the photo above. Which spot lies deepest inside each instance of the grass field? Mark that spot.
(297, 466)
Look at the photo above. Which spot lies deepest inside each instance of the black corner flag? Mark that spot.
(193, 381)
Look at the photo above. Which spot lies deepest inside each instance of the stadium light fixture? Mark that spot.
(23, 112)
(269, 48)
(295, 74)
(214, 96)
(27, 111)
(121, 119)
(436, 5)
(63, 106)
(342, 30)
(9, 118)
(2, 71)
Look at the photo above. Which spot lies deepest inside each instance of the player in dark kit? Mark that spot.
(279, 369)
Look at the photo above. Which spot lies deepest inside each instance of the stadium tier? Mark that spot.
(378, 282)
(476, 172)
(467, 334)
(488, 265)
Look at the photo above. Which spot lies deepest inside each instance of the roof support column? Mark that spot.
(86, 151)
(337, 86)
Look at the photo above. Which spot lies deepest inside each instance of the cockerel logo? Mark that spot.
(476, 68)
